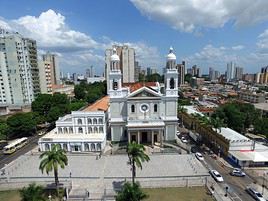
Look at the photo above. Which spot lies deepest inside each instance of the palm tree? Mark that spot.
(136, 156)
(181, 110)
(52, 160)
(217, 123)
(32, 193)
(131, 192)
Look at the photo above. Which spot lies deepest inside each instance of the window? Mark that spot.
(101, 129)
(65, 147)
(47, 148)
(80, 130)
(92, 146)
(115, 85)
(60, 130)
(79, 121)
(94, 121)
(132, 108)
(98, 146)
(89, 121)
(65, 130)
(172, 83)
(90, 130)
(95, 129)
(71, 130)
(155, 107)
(100, 121)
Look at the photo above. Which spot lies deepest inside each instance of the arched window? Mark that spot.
(100, 121)
(132, 108)
(80, 130)
(65, 130)
(65, 147)
(94, 121)
(172, 83)
(115, 85)
(92, 147)
(99, 147)
(86, 147)
(89, 121)
(47, 147)
(95, 129)
(155, 107)
(101, 129)
(90, 130)
(71, 130)
(79, 121)
(60, 130)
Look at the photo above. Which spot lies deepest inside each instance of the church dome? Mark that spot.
(115, 57)
(171, 56)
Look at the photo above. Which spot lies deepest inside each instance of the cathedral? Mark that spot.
(143, 112)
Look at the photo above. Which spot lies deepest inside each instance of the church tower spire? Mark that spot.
(171, 75)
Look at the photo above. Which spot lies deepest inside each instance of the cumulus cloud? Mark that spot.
(191, 15)
(262, 43)
(76, 50)
(238, 47)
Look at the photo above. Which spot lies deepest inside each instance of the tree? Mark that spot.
(131, 192)
(3, 130)
(32, 193)
(22, 124)
(136, 156)
(51, 160)
(217, 123)
(73, 106)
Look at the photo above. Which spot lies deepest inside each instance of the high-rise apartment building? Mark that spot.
(181, 71)
(127, 62)
(49, 72)
(213, 74)
(137, 71)
(238, 73)
(19, 73)
(230, 73)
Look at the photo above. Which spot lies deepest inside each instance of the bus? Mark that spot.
(15, 145)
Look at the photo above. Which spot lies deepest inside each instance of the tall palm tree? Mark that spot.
(217, 123)
(32, 193)
(131, 192)
(51, 160)
(136, 156)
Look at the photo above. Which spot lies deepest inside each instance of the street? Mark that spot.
(5, 159)
(236, 185)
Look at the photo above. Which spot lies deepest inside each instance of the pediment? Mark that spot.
(144, 92)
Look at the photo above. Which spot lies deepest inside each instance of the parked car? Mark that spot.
(178, 133)
(184, 140)
(216, 175)
(238, 172)
(255, 194)
(199, 156)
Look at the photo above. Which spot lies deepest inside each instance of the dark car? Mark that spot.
(255, 194)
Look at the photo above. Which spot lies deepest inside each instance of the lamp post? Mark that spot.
(49, 197)
(226, 191)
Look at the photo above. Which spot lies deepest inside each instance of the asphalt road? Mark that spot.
(236, 185)
(5, 159)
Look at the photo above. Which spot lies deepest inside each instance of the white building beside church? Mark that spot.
(143, 112)
(80, 131)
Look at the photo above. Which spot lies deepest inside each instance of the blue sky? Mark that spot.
(205, 32)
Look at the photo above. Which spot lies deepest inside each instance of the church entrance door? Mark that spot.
(144, 137)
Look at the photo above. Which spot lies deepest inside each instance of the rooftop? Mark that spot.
(138, 85)
(100, 105)
(232, 135)
(261, 106)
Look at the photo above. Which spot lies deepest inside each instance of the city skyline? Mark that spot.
(80, 33)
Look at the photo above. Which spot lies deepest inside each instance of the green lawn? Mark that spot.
(178, 194)
(9, 195)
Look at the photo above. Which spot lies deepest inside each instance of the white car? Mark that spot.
(238, 172)
(199, 156)
(178, 133)
(255, 194)
(183, 139)
(216, 175)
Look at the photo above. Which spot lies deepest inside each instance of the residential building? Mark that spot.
(238, 73)
(137, 71)
(64, 89)
(251, 97)
(140, 111)
(80, 131)
(127, 63)
(48, 72)
(230, 73)
(19, 75)
(181, 71)
(95, 79)
(248, 77)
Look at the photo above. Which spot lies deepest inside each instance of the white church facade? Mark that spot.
(143, 112)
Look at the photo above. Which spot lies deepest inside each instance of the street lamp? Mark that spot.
(226, 191)
(49, 197)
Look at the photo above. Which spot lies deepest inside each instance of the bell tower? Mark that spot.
(115, 76)
(171, 75)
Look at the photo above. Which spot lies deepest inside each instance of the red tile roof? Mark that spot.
(100, 105)
(138, 85)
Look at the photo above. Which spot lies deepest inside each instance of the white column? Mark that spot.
(161, 137)
(138, 137)
(128, 136)
(152, 135)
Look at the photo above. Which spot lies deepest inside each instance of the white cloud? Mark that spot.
(77, 51)
(238, 47)
(190, 15)
(262, 44)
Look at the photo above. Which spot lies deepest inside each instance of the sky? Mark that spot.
(208, 33)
